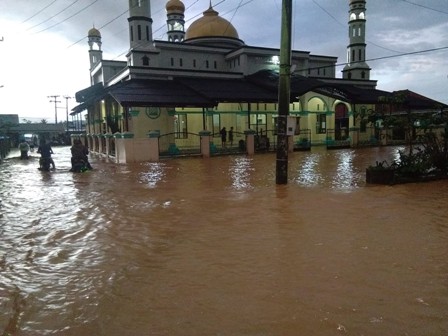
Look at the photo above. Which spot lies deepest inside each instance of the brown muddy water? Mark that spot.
(213, 247)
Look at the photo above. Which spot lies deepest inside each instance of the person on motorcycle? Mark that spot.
(45, 152)
(80, 161)
(24, 149)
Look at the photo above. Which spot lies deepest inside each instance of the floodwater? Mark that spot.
(213, 247)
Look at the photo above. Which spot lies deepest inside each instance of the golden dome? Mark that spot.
(175, 6)
(211, 24)
(93, 32)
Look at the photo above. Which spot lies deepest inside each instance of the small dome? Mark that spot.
(175, 6)
(93, 32)
(211, 24)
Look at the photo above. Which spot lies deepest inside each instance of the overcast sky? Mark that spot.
(44, 51)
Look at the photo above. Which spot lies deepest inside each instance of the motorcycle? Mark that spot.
(79, 165)
(44, 163)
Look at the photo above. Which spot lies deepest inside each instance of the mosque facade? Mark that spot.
(205, 77)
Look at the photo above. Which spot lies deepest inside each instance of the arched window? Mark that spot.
(145, 60)
(352, 16)
(362, 16)
(341, 111)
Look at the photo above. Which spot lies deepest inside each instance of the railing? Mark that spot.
(302, 141)
(333, 141)
(181, 147)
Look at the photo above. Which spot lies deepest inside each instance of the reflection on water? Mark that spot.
(154, 175)
(214, 247)
(345, 175)
(240, 171)
(307, 172)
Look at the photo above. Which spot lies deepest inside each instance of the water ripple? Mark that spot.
(124, 249)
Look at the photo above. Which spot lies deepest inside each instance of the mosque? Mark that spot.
(204, 78)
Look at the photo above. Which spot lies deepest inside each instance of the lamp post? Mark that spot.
(66, 108)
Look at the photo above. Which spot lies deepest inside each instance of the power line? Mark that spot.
(58, 23)
(426, 7)
(51, 17)
(400, 55)
(380, 58)
(104, 25)
(344, 25)
(40, 11)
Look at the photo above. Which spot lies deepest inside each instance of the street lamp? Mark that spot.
(66, 108)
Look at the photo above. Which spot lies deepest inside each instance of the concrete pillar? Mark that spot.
(100, 138)
(84, 140)
(383, 136)
(354, 136)
(96, 143)
(205, 143)
(118, 148)
(90, 142)
(73, 137)
(127, 147)
(250, 141)
(108, 137)
(154, 146)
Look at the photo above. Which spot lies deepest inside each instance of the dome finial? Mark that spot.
(93, 32)
(175, 6)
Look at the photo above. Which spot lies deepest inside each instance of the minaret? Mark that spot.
(140, 24)
(175, 10)
(356, 67)
(95, 52)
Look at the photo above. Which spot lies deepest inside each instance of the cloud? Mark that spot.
(55, 61)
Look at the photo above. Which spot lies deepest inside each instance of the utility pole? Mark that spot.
(55, 101)
(284, 89)
(66, 108)
(1, 40)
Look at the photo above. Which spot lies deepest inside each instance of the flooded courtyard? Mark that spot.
(214, 247)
